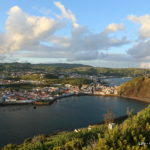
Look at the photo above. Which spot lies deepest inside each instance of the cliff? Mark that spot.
(137, 88)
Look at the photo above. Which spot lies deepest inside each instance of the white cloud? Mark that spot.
(34, 37)
(140, 51)
(140, 54)
(66, 13)
(23, 31)
(144, 21)
(82, 39)
(115, 27)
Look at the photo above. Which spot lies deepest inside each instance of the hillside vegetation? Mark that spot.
(137, 88)
(132, 134)
(72, 68)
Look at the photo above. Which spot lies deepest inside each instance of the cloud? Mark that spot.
(76, 49)
(144, 21)
(66, 13)
(83, 40)
(35, 37)
(115, 27)
(2, 57)
(140, 50)
(23, 31)
(81, 45)
(7, 58)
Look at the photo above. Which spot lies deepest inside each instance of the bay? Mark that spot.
(20, 122)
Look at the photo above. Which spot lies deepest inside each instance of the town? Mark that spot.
(41, 91)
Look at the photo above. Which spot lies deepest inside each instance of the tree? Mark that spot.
(108, 117)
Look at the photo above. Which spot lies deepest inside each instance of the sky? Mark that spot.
(101, 33)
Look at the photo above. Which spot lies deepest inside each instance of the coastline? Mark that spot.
(146, 100)
(117, 120)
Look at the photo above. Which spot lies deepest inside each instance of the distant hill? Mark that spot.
(73, 68)
(65, 65)
(56, 67)
(138, 88)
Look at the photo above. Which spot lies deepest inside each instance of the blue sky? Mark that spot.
(104, 33)
(95, 14)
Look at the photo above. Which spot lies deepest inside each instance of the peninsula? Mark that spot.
(137, 88)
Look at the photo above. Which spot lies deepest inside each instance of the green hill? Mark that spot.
(72, 68)
(138, 88)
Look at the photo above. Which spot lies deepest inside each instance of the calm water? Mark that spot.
(19, 122)
(117, 81)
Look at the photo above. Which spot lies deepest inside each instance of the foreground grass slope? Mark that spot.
(132, 134)
(138, 87)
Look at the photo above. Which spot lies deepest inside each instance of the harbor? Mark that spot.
(23, 121)
(48, 95)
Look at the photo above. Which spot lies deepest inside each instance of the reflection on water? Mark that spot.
(19, 122)
(15, 108)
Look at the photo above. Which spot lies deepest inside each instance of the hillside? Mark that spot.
(138, 88)
(72, 68)
(132, 134)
